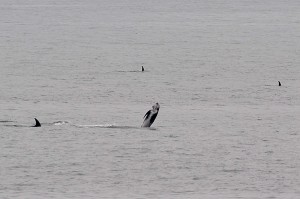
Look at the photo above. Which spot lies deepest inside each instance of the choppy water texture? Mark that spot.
(225, 128)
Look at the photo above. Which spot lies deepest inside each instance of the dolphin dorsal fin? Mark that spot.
(37, 123)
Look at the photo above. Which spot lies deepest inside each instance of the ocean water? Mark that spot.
(225, 128)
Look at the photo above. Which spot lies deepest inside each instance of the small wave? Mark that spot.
(16, 125)
(60, 123)
(232, 170)
(5, 121)
(95, 125)
(129, 71)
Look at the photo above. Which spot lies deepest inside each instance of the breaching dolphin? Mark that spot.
(151, 115)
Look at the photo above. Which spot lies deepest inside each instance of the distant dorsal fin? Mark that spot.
(279, 84)
(143, 68)
(37, 123)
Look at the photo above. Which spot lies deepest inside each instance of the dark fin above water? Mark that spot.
(279, 84)
(37, 123)
(143, 69)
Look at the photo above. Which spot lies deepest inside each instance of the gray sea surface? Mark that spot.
(225, 128)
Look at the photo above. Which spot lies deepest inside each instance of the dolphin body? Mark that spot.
(150, 116)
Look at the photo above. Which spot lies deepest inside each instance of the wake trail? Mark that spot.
(8, 123)
(105, 126)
